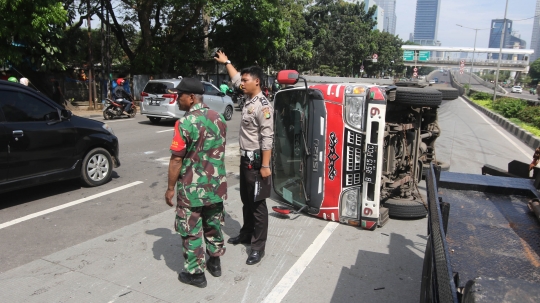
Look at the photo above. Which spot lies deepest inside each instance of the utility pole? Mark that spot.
(102, 54)
(91, 91)
(500, 52)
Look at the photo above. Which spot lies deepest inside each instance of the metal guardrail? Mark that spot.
(438, 284)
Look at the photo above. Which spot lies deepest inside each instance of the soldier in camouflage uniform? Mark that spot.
(197, 173)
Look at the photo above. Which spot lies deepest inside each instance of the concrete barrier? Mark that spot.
(524, 136)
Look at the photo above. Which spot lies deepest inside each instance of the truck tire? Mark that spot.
(413, 96)
(405, 208)
(449, 93)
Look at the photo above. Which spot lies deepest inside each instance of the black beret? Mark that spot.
(190, 85)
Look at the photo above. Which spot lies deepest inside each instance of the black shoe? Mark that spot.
(198, 280)
(241, 238)
(214, 266)
(255, 257)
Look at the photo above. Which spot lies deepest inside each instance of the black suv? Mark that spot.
(41, 142)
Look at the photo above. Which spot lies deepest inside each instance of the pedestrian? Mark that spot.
(256, 139)
(57, 95)
(197, 172)
(24, 81)
(224, 88)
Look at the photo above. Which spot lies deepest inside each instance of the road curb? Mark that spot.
(523, 135)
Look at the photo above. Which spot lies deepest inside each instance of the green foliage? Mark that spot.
(530, 114)
(31, 30)
(509, 107)
(534, 71)
(481, 96)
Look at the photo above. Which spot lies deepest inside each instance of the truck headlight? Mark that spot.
(349, 203)
(354, 112)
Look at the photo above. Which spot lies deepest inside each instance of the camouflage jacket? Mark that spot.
(199, 138)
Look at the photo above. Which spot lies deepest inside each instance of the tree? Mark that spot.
(534, 71)
(30, 31)
(340, 32)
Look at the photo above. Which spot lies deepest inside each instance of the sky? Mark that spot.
(469, 13)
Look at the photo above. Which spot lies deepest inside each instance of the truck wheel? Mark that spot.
(449, 93)
(406, 208)
(418, 96)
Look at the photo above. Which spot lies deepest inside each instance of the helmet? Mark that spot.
(119, 81)
(13, 79)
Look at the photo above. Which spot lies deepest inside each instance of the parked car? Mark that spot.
(517, 89)
(41, 142)
(157, 102)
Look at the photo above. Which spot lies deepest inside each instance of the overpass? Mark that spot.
(441, 56)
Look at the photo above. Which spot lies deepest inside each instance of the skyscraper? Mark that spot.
(379, 13)
(511, 38)
(389, 7)
(426, 22)
(535, 39)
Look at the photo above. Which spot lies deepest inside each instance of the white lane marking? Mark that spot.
(527, 154)
(162, 131)
(59, 207)
(285, 284)
(149, 152)
(109, 121)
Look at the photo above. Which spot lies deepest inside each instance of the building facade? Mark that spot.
(535, 39)
(389, 7)
(511, 39)
(426, 22)
(379, 14)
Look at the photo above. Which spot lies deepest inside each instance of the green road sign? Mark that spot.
(408, 55)
(423, 55)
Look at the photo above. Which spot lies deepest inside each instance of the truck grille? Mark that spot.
(353, 158)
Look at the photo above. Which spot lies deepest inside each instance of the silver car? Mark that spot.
(157, 103)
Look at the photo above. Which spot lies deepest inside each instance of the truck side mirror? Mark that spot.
(288, 77)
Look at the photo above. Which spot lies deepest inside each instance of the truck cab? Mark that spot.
(353, 152)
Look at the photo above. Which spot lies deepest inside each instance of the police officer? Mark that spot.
(256, 138)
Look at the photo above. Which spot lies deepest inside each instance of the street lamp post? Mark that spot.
(500, 52)
(474, 50)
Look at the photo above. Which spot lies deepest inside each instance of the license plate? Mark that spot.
(370, 167)
(153, 102)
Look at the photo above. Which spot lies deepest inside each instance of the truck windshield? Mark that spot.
(289, 153)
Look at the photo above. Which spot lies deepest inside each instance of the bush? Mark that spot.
(481, 96)
(529, 114)
(509, 107)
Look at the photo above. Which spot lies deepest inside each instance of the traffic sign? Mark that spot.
(374, 60)
(375, 56)
(408, 55)
(462, 61)
(461, 72)
(424, 55)
(415, 69)
(362, 67)
(415, 74)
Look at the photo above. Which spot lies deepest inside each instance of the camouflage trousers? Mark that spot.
(192, 223)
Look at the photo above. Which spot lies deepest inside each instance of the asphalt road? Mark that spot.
(476, 85)
(120, 247)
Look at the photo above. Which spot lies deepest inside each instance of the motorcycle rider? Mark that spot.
(122, 96)
(224, 88)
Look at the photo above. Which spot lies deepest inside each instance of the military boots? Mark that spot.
(198, 280)
(214, 266)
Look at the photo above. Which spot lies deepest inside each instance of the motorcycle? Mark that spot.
(238, 97)
(114, 109)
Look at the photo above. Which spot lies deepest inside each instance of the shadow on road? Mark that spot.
(34, 193)
(365, 279)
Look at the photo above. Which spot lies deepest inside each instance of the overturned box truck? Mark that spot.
(353, 152)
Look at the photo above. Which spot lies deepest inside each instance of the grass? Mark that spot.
(526, 126)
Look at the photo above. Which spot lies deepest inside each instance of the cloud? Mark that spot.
(472, 13)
